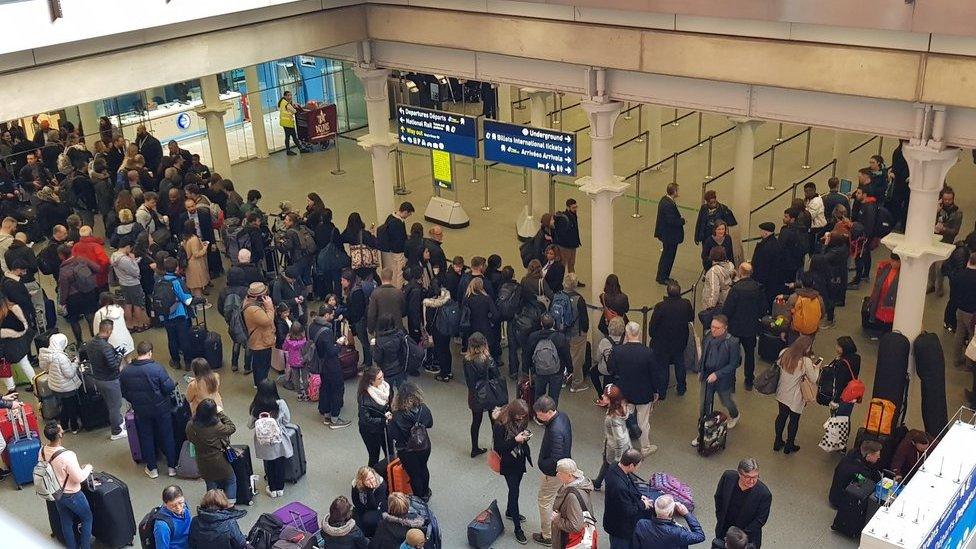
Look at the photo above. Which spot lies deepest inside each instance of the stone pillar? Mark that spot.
(89, 124)
(255, 108)
(655, 117)
(602, 186)
(843, 142)
(919, 247)
(539, 183)
(379, 142)
(504, 92)
(212, 111)
(742, 181)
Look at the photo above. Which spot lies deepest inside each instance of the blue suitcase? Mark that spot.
(23, 450)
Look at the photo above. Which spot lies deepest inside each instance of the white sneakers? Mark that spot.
(649, 450)
(273, 494)
(122, 434)
(171, 472)
(151, 473)
(735, 421)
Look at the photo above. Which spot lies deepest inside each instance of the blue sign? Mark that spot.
(958, 521)
(183, 121)
(438, 130)
(536, 148)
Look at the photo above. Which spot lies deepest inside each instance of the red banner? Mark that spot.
(321, 123)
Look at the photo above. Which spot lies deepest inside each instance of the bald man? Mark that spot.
(433, 243)
(149, 147)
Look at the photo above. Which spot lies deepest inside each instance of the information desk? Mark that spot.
(165, 121)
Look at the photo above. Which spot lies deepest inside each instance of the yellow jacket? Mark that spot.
(286, 113)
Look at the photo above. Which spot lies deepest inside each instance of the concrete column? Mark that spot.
(212, 111)
(655, 117)
(504, 92)
(742, 179)
(843, 143)
(539, 183)
(256, 110)
(89, 123)
(380, 141)
(919, 247)
(602, 186)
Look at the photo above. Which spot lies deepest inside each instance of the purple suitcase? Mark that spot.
(298, 515)
(133, 436)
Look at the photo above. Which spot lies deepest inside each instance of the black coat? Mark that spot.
(566, 230)
(484, 315)
(852, 465)
(744, 306)
(392, 235)
(206, 225)
(151, 149)
(217, 529)
(639, 374)
(710, 243)
(389, 352)
(623, 504)
(755, 513)
(404, 420)
(50, 214)
(833, 199)
(554, 276)
(557, 443)
(707, 218)
(372, 416)
(514, 455)
(767, 267)
(668, 326)
(437, 257)
(558, 340)
(670, 226)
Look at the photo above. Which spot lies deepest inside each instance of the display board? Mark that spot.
(540, 149)
(438, 130)
(321, 123)
(441, 167)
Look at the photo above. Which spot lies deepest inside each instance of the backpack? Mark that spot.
(84, 277)
(368, 285)
(448, 320)
(164, 299)
(265, 532)
(464, 323)
(527, 251)
(884, 222)
(806, 315)
(432, 529)
(147, 527)
(667, 484)
(46, 483)
(47, 260)
(563, 311)
(234, 316)
(545, 360)
(418, 440)
(509, 300)
(267, 431)
(589, 534)
(306, 240)
(235, 239)
(854, 390)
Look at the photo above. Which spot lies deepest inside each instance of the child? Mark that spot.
(415, 539)
(292, 346)
(340, 310)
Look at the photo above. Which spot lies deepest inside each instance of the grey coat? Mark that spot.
(281, 449)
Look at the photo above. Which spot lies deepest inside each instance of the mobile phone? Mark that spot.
(528, 434)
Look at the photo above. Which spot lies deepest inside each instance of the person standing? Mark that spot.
(742, 500)
(215, 525)
(572, 501)
(546, 353)
(614, 302)
(616, 438)
(710, 214)
(391, 239)
(663, 532)
(147, 387)
(795, 367)
(321, 334)
(641, 380)
(73, 508)
(286, 118)
(670, 230)
(106, 366)
(209, 431)
(794, 240)
(624, 505)
(195, 249)
(818, 214)
(865, 214)
(479, 367)
(744, 306)
(948, 221)
(668, 330)
(270, 418)
(176, 317)
(767, 262)
(566, 235)
(259, 320)
(149, 147)
(62, 379)
(557, 444)
(719, 359)
(720, 238)
(385, 300)
(409, 412)
(576, 332)
(834, 198)
(510, 436)
(375, 398)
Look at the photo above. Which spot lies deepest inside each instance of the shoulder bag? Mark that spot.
(362, 256)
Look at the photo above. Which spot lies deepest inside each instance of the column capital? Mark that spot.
(595, 189)
(928, 166)
(536, 91)
(374, 82)
(212, 110)
(930, 252)
(369, 141)
(742, 121)
(602, 115)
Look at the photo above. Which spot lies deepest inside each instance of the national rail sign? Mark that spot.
(535, 148)
(437, 130)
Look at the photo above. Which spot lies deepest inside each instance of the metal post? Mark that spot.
(552, 193)
(700, 129)
(708, 172)
(772, 162)
(474, 169)
(779, 136)
(437, 188)
(647, 148)
(487, 206)
(338, 169)
(401, 183)
(640, 123)
(525, 183)
(453, 171)
(637, 214)
(833, 168)
(806, 155)
(558, 109)
(627, 115)
(674, 167)
(880, 144)
(520, 102)
(674, 121)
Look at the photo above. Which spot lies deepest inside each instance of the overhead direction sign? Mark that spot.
(438, 130)
(535, 148)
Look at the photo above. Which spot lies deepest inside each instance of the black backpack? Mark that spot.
(164, 298)
(509, 300)
(147, 527)
(265, 532)
(884, 223)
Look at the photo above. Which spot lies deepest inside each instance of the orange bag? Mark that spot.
(881, 414)
(397, 477)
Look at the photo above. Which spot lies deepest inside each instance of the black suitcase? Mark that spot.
(91, 405)
(243, 469)
(181, 416)
(852, 514)
(891, 377)
(770, 346)
(114, 523)
(204, 343)
(930, 367)
(296, 467)
(213, 350)
(54, 519)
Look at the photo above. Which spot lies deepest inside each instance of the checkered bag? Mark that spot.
(837, 429)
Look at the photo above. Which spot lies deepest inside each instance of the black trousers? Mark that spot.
(514, 482)
(677, 358)
(513, 348)
(749, 357)
(442, 352)
(70, 417)
(416, 465)
(291, 133)
(477, 415)
(794, 424)
(274, 472)
(666, 262)
(374, 443)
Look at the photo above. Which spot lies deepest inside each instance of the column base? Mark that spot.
(526, 224)
(446, 212)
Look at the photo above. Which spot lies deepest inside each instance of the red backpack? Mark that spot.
(854, 390)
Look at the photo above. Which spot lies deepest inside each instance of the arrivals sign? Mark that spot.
(535, 148)
(321, 123)
(437, 130)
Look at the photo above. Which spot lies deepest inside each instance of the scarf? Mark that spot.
(380, 394)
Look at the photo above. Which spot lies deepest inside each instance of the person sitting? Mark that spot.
(173, 520)
(392, 529)
(215, 525)
(369, 499)
(910, 454)
(860, 461)
(663, 532)
(339, 529)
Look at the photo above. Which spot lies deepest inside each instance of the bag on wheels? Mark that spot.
(486, 527)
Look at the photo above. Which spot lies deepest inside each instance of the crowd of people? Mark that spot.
(395, 291)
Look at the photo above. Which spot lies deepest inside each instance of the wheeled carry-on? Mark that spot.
(114, 523)
(296, 466)
(203, 342)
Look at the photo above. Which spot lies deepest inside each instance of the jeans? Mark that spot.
(708, 397)
(949, 318)
(291, 134)
(330, 394)
(274, 472)
(549, 384)
(794, 418)
(111, 391)
(667, 358)
(748, 357)
(260, 365)
(74, 509)
(666, 262)
(374, 443)
(228, 485)
(178, 337)
(416, 465)
(514, 482)
(70, 417)
(155, 433)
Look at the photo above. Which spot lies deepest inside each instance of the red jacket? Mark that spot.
(93, 248)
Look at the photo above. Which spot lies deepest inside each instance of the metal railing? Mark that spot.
(771, 150)
(880, 139)
(792, 188)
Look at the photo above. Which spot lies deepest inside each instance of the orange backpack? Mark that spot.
(806, 315)
(881, 414)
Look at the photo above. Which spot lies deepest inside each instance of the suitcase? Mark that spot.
(297, 466)
(22, 452)
(299, 516)
(348, 361)
(526, 390)
(930, 367)
(214, 351)
(713, 433)
(852, 513)
(486, 527)
(397, 477)
(50, 404)
(314, 387)
(891, 376)
(91, 405)
(204, 343)
(114, 523)
(243, 470)
(54, 520)
(187, 466)
(181, 416)
(770, 345)
(133, 436)
(8, 416)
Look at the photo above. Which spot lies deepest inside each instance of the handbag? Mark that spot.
(495, 461)
(362, 256)
(633, 428)
(232, 454)
(490, 393)
(808, 390)
(278, 360)
(837, 429)
(541, 296)
(767, 381)
(854, 390)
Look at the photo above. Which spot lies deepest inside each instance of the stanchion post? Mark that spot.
(772, 163)
(880, 144)
(401, 183)
(644, 310)
(674, 167)
(474, 169)
(525, 180)
(487, 206)
(640, 122)
(674, 121)
(338, 169)
(457, 197)
(779, 135)
(552, 193)
(700, 143)
(637, 214)
(708, 171)
(806, 155)
(647, 147)
(627, 115)
(833, 168)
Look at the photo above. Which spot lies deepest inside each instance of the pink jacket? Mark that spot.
(293, 351)
(67, 466)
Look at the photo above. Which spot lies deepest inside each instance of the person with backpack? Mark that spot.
(259, 320)
(77, 289)
(796, 367)
(171, 522)
(414, 294)
(171, 300)
(482, 316)
(408, 427)
(509, 303)
(355, 300)
(270, 418)
(865, 215)
(216, 524)
(806, 308)
(479, 368)
(148, 388)
(391, 238)
(93, 248)
(568, 309)
(297, 242)
(846, 368)
(546, 355)
(600, 372)
(209, 431)
(641, 379)
(74, 512)
(572, 511)
(397, 521)
(557, 443)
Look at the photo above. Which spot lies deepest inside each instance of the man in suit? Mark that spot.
(149, 147)
(668, 329)
(670, 230)
(744, 306)
(719, 359)
(767, 259)
(624, 504)
(640, 380)
(742, 500)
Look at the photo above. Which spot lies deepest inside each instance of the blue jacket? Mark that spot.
(217, 529)
(720, 357)
(177, 537)
(147, 387)
(183, 297)
(623, 503)
(660, 533)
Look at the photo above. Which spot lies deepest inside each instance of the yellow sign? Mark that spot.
(441, 164)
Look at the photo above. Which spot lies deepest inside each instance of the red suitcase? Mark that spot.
(7, 428)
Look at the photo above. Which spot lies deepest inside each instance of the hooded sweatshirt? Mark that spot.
(62, 372)
(347, 536)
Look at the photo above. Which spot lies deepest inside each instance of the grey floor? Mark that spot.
(462, 487)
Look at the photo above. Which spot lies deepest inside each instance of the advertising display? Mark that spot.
(441, 167)
(958, 521)
(437, 130)
(540, 149)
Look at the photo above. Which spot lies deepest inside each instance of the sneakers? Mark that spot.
(826, 324)
(579, 387)
(650, 449)
(171, 471)
(122, 434)
(290, 153)
(151, 473)
(520, 537)
(273, 494)
(432, 369)
(694, 442)
(542, 540)
(734, 421)
(327, 420)
(339, 423)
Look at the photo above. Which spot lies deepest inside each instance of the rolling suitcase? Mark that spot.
(713, 431)
(243, 470)
(186, 467)
(7, 419)
(770, 345)
(486, 527)
(22, 452)
(91, 404)
(49, 403)
(204, 343)
(526, 390)
(181, 416)
(348, 361)
(133, 436)
(852, 513)
(298, 515)
(54, 520)
(930, 367)
(297, 466)
(113, 524)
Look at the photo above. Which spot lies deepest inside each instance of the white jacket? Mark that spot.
(718, 282)
(62, 372)
(818, 218)
(120, 332)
